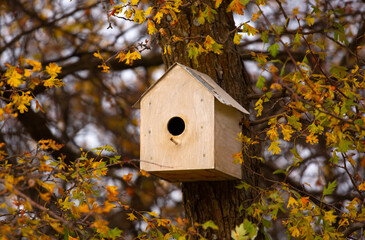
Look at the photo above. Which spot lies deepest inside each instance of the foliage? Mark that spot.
(309, 120)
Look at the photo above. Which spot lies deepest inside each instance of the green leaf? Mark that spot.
(330, 188)
(274, 49)
(260, 82)
(280, 171)
(264, 37)
(209, 224)
(245, 231)
(116, 232)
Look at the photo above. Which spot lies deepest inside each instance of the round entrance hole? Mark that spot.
(176, 126)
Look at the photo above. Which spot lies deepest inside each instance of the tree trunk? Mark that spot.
(217, 201)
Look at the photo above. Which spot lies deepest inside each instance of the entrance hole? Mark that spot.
(176, 126)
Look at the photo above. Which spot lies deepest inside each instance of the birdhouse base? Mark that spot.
(193, 175)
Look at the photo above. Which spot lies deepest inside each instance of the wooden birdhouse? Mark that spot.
(188, 128)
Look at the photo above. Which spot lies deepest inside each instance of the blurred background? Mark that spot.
(95, 108)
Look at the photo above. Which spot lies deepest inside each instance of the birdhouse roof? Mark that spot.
(207, 82)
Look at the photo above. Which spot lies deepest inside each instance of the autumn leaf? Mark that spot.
(112, 193)
(292, 203)
(237, 38)
(14, 78)
(362, 186)
(139, 16)
(53, 69)
(237, 6)
(259, 107)
(131, 217)
(274, 147)
(151, 28)
(212, 46)
(98, 55)
(128, 177)
(37, 66)
(312, 139)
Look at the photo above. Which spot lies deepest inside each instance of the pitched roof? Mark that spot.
(207, 82)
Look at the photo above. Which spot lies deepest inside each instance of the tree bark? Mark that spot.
(217, 201)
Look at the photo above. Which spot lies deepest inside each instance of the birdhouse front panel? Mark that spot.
(177, 126)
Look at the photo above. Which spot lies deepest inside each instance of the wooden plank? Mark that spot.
(227, 127)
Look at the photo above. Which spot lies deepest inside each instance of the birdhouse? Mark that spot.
(188, 128)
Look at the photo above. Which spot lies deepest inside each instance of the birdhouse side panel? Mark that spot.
(227, 126)
(177, 125)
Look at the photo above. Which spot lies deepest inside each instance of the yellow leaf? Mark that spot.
(148, 11)
(274, 147)
(287, 131)
(237, 38)
(292, 202)
(294, 231)
(37, 66)
(362, 186)
(255, 16)
(53, 82)
(139, 16)
(108, 206)
(84, 208)
(151, 27)
(153, 214)
(53, 69)
(57, 226)
(312, 139)
(45, 196)
(144, 173)
(330, 217)
(134, 2)
(158, 17)
(112, 193)
(97, 54)
(27, 72)
(131, 217)
(217, 3)
(295, 11)
(310, 20)
(259, 107)
(14, 78)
